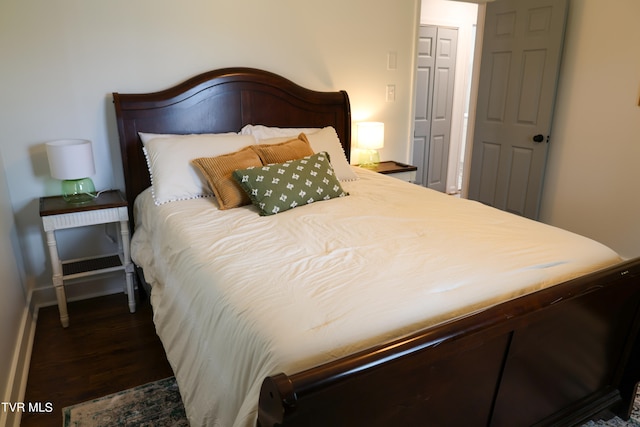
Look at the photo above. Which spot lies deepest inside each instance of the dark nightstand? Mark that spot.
(57, 214)
(396, 169)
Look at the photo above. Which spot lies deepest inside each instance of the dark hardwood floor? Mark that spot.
(105, 349)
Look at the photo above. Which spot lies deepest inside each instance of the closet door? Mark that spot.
(435, 74)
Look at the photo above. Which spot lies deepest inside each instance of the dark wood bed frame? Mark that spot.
(556, 357)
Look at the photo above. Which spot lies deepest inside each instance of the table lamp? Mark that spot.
(71, 160)
(370, 138)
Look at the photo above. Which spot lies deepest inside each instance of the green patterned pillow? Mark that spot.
(279, 187)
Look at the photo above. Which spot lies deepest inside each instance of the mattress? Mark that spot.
(238, 296)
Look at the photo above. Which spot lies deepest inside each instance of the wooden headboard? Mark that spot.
(218, 101)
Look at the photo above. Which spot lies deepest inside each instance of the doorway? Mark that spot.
(542, 22)
(463, 16)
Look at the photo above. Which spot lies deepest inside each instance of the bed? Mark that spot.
(388, 304)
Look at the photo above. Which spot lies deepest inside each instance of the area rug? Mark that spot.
(156, 404)
(634, 421)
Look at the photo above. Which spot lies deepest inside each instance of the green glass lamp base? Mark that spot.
(369, 159)
(78, 191)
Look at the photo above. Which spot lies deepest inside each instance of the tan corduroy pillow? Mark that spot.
(292, 149)
(218, 170)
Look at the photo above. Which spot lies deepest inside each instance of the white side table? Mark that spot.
(57, 214)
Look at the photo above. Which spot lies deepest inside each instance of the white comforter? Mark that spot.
(238, 297)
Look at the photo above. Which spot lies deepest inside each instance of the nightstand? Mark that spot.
(108, 207)
(397, 170)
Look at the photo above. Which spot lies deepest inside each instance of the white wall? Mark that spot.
(61, 60)
(593, 174)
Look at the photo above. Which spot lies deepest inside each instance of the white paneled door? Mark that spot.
(521, 54)
(435, 74)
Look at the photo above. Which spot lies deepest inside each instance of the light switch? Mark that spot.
(391, 93)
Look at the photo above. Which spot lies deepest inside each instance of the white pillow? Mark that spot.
(173, 176)
(146, 137)
(265, 132)
(325, 139)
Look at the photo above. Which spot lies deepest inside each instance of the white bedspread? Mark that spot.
(238, 297)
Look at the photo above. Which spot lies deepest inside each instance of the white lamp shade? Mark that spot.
(370, 135)
(70, 158)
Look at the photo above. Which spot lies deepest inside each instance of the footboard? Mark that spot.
(559, 356)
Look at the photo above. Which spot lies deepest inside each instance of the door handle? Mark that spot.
(538, 138)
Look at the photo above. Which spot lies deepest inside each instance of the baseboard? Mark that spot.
(19, 373)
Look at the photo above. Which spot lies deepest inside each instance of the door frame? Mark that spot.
(473, 99)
